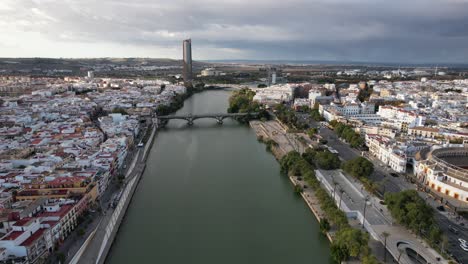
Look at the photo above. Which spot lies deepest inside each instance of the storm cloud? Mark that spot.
(352, 30)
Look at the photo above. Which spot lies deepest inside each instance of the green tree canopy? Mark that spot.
(410, 210)
(359, 167)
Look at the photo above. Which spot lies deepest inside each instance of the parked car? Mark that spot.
(453, 230)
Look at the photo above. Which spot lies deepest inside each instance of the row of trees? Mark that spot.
(347, 133)
(241, 101)
(288, 117)
(177, 102)
(410, 210)
(322, 158)
(361, 168)
(347, 242)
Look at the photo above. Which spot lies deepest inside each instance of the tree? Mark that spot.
(339, 253)
(315, 114)
(324, 225)
(369, 260)
(327, 160)
(410, 210)
(312, 131)
(241, 101)
(60, 257)
(352, 241)
(364, 94)
(81, 232)
(199, 86)
(359, 167)
(119, 110)
(288, 160)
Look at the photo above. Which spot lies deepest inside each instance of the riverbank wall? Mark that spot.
(118, 215)
(312, 202)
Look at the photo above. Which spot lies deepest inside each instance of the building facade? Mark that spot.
(444, 170)
(187, 49)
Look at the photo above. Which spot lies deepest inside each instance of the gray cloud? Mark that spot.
(359, 30)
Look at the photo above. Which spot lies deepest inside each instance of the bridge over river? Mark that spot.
(162, 120)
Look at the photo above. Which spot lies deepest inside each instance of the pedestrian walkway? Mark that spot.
(377, 218)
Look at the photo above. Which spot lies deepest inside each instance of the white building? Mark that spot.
(387, 152)
(211, 72)
(275, 94)
(401, 118)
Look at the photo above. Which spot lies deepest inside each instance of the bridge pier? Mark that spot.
(190, 121)
(219, 120)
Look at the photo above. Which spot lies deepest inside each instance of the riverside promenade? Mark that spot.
(98, 244)
(377, 218)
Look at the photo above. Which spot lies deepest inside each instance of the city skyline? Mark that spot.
(339, 30)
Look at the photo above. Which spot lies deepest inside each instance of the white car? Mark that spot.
(464, 247)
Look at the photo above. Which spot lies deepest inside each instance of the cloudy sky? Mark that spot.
(350, 30)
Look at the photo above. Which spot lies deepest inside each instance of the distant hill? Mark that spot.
(25, 65)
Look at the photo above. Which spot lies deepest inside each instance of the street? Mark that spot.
(101, 216)
(389, 183)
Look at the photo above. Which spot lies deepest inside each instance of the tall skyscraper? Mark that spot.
(187, 47)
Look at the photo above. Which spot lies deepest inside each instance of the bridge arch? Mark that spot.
(162, 120)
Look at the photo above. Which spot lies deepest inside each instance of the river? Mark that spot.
(212, 194)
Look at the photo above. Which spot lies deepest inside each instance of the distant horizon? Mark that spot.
(268, 61)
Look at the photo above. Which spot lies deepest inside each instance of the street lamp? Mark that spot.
(341, 196)
(334, 188)
(366, 199)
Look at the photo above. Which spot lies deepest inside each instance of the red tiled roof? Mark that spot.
(64, 209)
(28, 193)
(13, 235)
(66, 180)
(23, 221)
(50, 223)
(36, 141)
(33, 237)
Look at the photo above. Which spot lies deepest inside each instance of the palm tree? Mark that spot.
(385, 235)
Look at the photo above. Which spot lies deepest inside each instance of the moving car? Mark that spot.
(464, 247)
